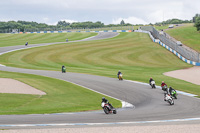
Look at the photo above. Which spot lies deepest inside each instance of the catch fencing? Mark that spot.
(183, 50)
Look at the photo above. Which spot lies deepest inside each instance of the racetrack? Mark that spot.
(149, 103)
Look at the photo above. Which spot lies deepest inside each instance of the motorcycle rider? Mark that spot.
(118, 73)
(171, 89)
(63, 69)
(150, 81)
(163, 84)
(167, 92)
(26, 44)
(106, 101)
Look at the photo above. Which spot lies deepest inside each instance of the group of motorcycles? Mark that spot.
(169, 93)
(169, 96)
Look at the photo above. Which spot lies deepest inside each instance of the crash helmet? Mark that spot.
(103, 98)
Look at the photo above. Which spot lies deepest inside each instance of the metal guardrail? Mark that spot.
(183, 50)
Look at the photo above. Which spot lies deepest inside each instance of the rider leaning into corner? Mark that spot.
(118, 73)
(171, 89)
(167, 91)
(106, 101)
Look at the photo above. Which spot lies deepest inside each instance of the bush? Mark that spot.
(197, 24)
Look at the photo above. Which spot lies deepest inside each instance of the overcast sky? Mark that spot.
(106, 11)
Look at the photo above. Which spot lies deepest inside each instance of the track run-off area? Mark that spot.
(148, 104)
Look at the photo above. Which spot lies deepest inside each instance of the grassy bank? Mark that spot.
(188, 35)
(61, 97)
(133, 53)
(21, 39)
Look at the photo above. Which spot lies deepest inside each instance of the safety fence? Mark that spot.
(183, 52)
(72, 31)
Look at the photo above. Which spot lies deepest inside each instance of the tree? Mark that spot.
(195, 17)
(197, 23)
(63, 24)
(122, 22)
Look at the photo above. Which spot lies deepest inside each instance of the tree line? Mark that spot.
(173, 21)
(195, 20)
(25, 26)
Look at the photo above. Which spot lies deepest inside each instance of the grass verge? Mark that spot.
(134, 54)
(61, 97)
(36, 38)
(187, 34)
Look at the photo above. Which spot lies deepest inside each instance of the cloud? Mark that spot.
(131, 20)
(106, 11)
(68, 20)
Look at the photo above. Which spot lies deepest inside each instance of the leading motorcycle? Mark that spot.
(108, 109)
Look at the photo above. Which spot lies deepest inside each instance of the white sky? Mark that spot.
(106, 11)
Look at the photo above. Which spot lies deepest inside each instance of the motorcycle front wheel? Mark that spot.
(106, 110)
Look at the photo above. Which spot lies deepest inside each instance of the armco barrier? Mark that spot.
(170, 49)
(174, 44)
(77, 31)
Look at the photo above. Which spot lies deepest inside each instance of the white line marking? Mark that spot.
(93, 124)
(124, 103)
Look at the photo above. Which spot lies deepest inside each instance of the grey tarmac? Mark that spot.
(149, 103)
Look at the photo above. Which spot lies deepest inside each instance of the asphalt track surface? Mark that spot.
(148, 103)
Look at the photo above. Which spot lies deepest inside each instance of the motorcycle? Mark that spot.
(169, 99)
(63, 70)
(164, 88)
(174, 94)
(120, 77)
(108, 109)
(153, 84)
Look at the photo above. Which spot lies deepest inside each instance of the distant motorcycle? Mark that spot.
(174, 94)
(120, 77)
(153, 84)
(63, 70)
(169, 99)
(108, 109)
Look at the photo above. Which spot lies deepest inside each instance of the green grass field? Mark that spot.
(162, 27)
(188, 35)
(133, 53)
(21, 39)
(61, 97)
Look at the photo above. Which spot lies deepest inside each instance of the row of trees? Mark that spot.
(173, 21)
(24, 26)
(195, 20)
